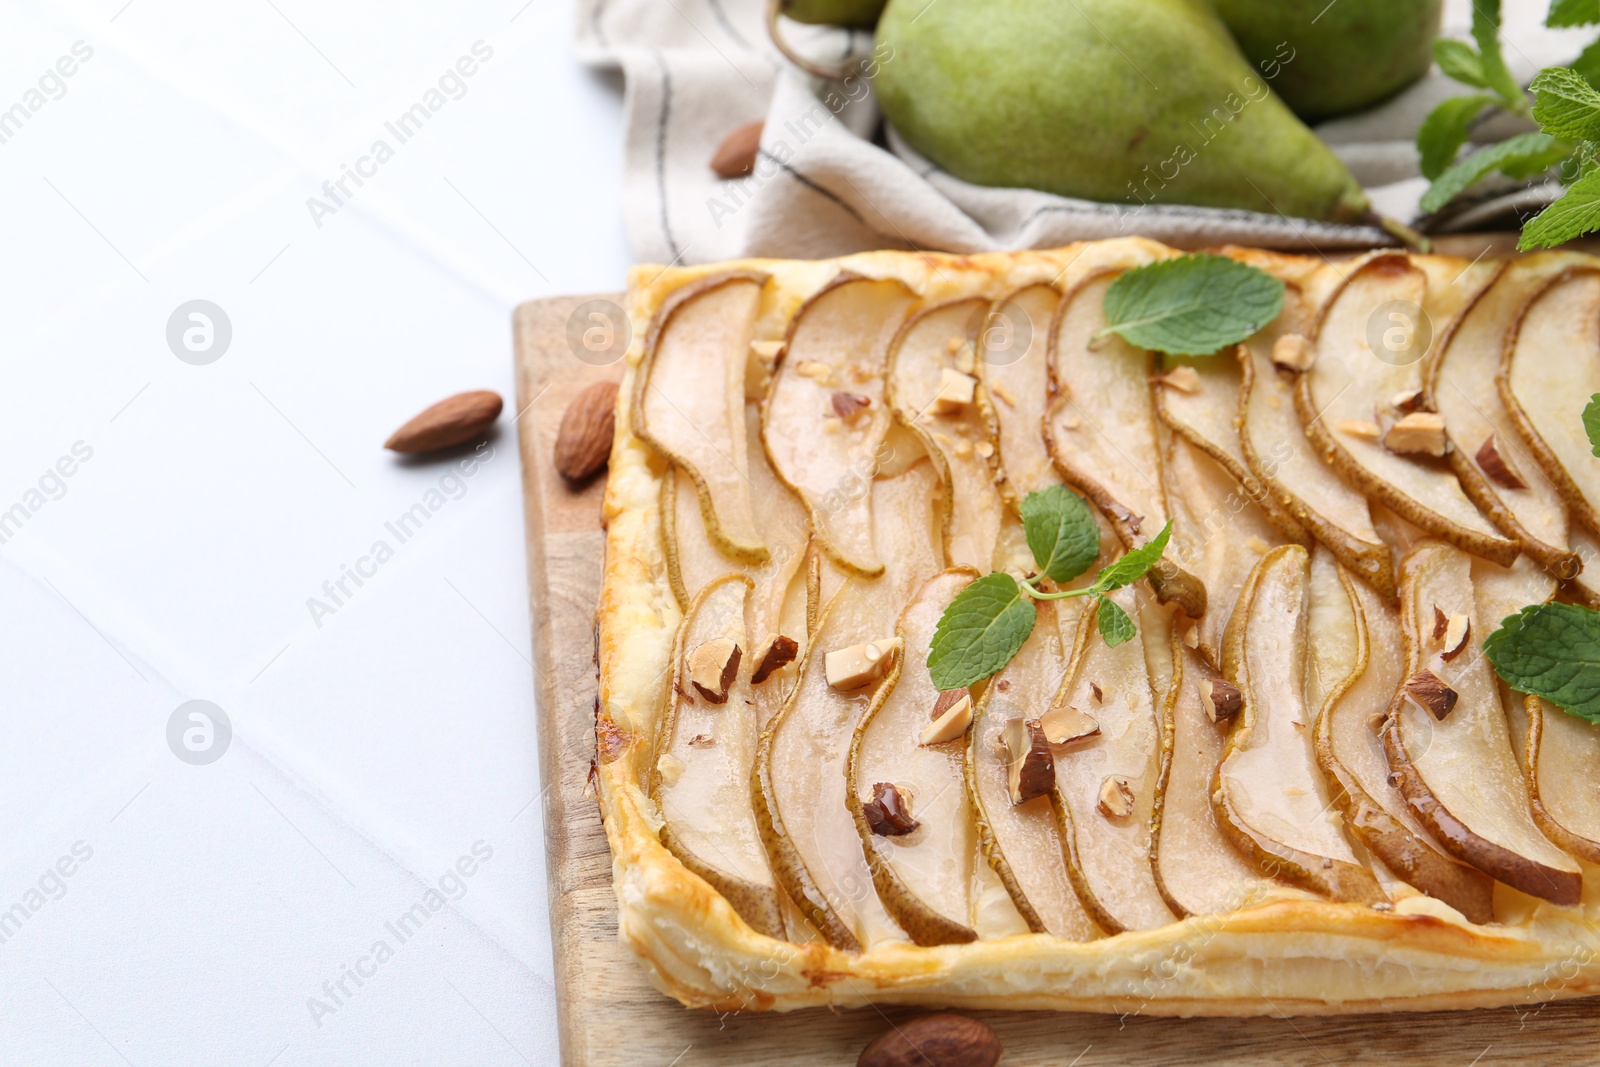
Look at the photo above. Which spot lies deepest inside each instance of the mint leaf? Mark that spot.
(1551, 651)
(1115, 626)
(1591, 423)
(1460, 61)
(1521, 156)
(1575, 214)
(1588, 64)
(980, 632)
(1131, 567)
(1444, 131)
(1191, 305)
(1565, 105)
(1496, 77)
(1572, 13)
(1061, 532)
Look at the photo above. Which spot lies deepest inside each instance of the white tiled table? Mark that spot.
(220, 905)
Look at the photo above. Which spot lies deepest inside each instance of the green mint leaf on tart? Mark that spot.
(1115, 626)
(1575, 214)
(1191, 305)
(1061, 532)
(1133, 566)
(1591, 423)
(980, 631)
(1565, 105)
(1521, 156)
(1551, 651)
(1446, 128)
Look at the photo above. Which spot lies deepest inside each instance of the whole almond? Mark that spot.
(942, 1040)
(736, 155)
(452, 421)
(583, 444)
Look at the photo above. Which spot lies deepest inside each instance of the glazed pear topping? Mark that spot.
(1032, 769)
(1430, 693)
(889, 813)
(780, 652)
(953, 721)
(860, 665)
(712, 668)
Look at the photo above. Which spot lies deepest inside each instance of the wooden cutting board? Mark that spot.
(611, 1017)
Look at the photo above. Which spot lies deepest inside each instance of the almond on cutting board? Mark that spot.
(583, 444)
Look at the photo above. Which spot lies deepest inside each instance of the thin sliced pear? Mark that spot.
(1102, 433)
(1277, 451)
(689, 401)
(926, 878)
(838, 342)
(1460, 385)
(1460, 774)
(1220, 533)
(938, 342)
(1020, 841)
(1357, 662)
(1548, 371)
(1563, 751)
(1269, 798)
(1013, 365)
(799, 780)
(1200, 398)
(780, 605)
(702, 775)
(1108, 856)
(1349, 385)
(1197, 869)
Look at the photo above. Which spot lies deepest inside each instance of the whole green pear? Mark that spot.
(1330, 59)
(861, 14)
(1126, 101)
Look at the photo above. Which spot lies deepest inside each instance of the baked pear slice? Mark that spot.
(1460, 773)
(1269, 797)
(1278, 452)
(933, 390)
(1105, 784)
(926, 876)
(1199, 400)
(1220, 533)
(1101, 430)
(1354, 403)
(834, 360)
(1020, 841)
(1357, 663)
(1548, 371)
(1016, 380)
(1491, 460)
(799, 783)
(701, 777)
(1563, 751)
(1198, 871)
(689, 400)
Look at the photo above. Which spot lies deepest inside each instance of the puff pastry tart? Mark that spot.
(1301, 789)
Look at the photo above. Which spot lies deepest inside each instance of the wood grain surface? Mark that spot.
(609, 1014)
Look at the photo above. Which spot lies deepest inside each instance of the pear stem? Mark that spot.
(1413, 240)
(816, 70)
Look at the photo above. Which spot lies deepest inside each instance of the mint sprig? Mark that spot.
(988, 622)
(1191, 305)
(1591, 423)
(1551, 651)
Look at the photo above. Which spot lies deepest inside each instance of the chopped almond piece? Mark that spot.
(1456, 632)
(848, 405)
(1183, 378)
(955, 392)
(1367, 431)
(889, 813)
(998, 388)
(780, 652)
(768, 352)
(1064, 724)
(1031, 767)
(712, 667)
(818, 372)
(1221, 698)
(1441, 622)
(953, 722)
(1494, 463)
(1293, 352)
(860, 665)
(966, 358)
(670, 768)
(1407, 400)
(1421, 432)
(1116, 797)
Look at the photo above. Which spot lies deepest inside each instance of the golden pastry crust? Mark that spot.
(1284, 956)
